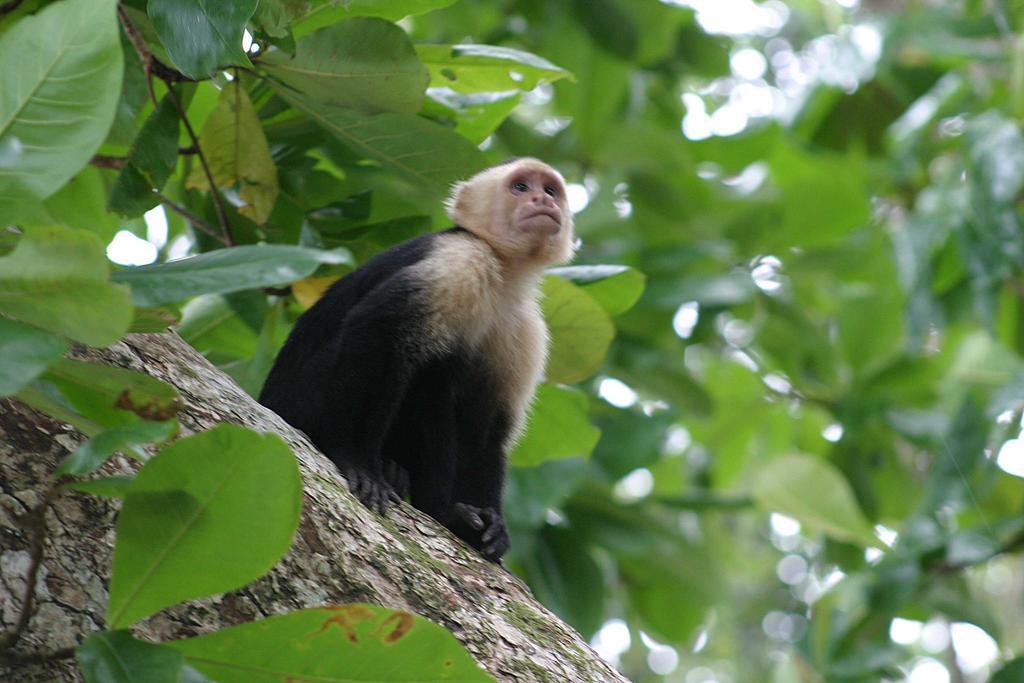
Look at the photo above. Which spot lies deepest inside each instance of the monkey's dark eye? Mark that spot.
(550, 191)
(520, 187)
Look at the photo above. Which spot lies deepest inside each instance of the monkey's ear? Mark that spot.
(455, 203)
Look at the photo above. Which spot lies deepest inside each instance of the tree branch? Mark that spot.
(36, 530)
(342, 552)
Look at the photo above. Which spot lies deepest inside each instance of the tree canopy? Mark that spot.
(779, 434)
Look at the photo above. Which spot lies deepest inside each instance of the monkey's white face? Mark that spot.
(536, 201)
(520, 209)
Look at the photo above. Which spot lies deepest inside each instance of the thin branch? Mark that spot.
(104, 161)
(36, 529)
(150, 63)
(218, 202)
(195, 220)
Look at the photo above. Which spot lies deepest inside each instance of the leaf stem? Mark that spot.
(195, 220)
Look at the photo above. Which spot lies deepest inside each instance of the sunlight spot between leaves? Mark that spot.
(612, 640)
(661, 659)
(685, 319)
(905, 631)
(783, 525)
(128, 250)
(975, 649)
(578, 197)
(928, 670)
(634, 486)
(156, 226)
(617, 392)
(1011, 457)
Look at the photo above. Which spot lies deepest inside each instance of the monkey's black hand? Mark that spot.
(371, 490)
(490, 535)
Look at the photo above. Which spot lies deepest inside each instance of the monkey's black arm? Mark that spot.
(366, 385)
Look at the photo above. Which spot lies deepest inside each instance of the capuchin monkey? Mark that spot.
(414, 373)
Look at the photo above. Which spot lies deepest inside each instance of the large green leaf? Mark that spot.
(201, 35)
(238, 155)
(486, 68)
(813, 492)
(558, 428)
(580, 331)
(152, 157)
(337, 644)
(57, 279)
(363, 63)
(207, 514)
(62, 80)
(616, 288)
(424, 153)
(225, 270)
(24, 353)
(116, 657)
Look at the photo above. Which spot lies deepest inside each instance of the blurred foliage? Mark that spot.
(796, 317)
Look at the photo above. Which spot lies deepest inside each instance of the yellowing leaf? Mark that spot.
(308, 290)
(237, 152)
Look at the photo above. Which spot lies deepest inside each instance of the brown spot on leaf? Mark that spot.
(149, 410)
(346, 617)
(395, 626)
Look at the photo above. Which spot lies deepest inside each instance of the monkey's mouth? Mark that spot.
(550, 214)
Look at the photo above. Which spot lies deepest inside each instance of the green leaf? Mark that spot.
(332, 644)
(62, 81)
(207, 514)
(57, 279)
(327, 13)
(616, 288)
(580, 331)
(202, 35)
(476, 116)
(565, 577)
(116, 657)
(82, 204)
(151, 160)
(824, 197)
(112, 396)
(106, 487)
(363, 63)
(558, 428)
(88, 457)
(238, 155)
(426, 154)
(486, 68)
(225, 270)
(812, 491)
(24, 353)
(1011, 672)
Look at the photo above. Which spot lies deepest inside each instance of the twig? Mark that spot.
(195, 220)
(36, 528)
(104, 161)
(150, 63)
(218, 202)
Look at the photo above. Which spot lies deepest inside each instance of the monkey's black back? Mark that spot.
(361, 375)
